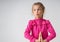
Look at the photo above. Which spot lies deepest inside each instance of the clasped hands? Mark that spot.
(40, 39)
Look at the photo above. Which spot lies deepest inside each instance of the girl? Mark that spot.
(38, 28)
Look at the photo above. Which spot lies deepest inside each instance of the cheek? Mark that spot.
(41, 12)
(34, 12)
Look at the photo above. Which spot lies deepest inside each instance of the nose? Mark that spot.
(36, 11)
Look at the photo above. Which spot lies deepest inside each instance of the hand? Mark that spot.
(43, 41)
(37, 40)
(40, 39)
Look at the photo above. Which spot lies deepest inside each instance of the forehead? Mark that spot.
(36, 6)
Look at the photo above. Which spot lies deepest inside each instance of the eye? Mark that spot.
(34, 9)
(39, 9)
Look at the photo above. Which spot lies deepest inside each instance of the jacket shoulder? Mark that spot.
(46, 21)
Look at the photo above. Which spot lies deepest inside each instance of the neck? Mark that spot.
(38, 17)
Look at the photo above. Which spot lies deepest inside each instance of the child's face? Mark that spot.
(37, 11)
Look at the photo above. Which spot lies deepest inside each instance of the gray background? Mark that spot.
(14, 16)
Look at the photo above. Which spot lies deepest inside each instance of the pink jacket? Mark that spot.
(39, 25)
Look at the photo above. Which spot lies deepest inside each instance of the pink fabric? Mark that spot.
(39, 25)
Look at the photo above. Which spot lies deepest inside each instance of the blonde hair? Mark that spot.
(40, 4)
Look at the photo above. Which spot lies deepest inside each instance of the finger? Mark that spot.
(42, 39)
(40, 36)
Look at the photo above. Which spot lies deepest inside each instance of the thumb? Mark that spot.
(40, 36)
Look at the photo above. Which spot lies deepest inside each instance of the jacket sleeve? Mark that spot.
(27, 32)
(51, 31)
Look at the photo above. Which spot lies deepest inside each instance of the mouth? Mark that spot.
(37, 14)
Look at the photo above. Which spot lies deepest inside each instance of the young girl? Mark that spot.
(39, 29)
